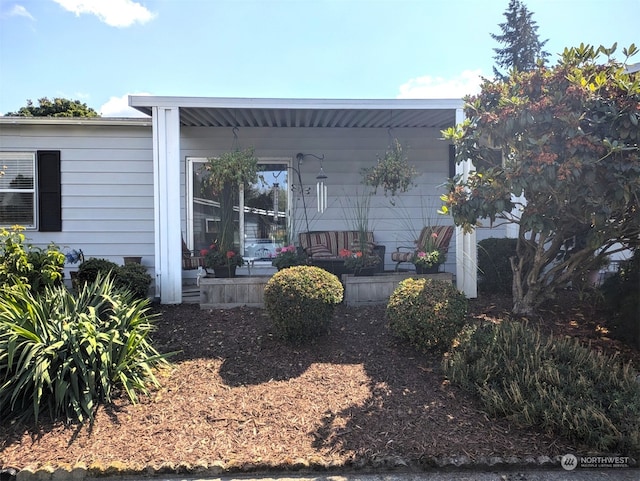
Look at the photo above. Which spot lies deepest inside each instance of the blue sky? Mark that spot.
(99, 51)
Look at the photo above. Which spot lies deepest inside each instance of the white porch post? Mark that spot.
(166, 192)
(466, 251)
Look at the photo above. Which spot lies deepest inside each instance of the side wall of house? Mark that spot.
(346, 152)
(107, 187)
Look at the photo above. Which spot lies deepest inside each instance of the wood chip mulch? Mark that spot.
(237, 396)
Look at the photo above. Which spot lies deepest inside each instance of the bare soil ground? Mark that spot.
(240, 398)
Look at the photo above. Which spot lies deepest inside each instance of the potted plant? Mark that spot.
(428, 258)
(392, 172)
(361, 263)
(223, 261)
(288, 256)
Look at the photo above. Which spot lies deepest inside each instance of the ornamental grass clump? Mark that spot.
(427, 313)
(65, 354)
(300, 301)
(557, 385)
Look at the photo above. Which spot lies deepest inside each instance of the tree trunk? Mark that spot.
(523, 295)
(527, 289)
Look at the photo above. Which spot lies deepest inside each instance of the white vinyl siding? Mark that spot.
(106, 181)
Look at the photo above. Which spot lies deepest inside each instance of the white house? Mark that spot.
(130, 187)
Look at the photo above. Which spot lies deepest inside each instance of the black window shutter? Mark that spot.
(49, 191)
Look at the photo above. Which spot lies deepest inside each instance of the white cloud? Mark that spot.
(119, 107)
(20, 11)
(427, 87)
(115, 13)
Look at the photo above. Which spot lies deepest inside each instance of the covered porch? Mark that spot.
(347, 135)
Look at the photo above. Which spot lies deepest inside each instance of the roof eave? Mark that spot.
(109, 121)
(136, 101)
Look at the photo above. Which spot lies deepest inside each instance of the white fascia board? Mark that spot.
(109, 121)
(320, 104)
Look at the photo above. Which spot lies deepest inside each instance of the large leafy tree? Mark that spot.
(57, 107)
(522, 46)
(555, 152)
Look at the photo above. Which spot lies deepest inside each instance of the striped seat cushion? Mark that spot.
(316, 244)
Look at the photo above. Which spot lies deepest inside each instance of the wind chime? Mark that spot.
(321, 187)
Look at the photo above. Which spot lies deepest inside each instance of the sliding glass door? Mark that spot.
(259, 212)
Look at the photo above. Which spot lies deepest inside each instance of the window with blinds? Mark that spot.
(17, 189)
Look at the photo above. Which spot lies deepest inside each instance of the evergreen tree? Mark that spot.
(522, 47)
(58, 107)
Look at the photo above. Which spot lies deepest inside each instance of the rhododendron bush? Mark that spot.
(555, 151)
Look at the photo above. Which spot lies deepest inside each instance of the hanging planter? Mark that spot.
(232, 168)
(225, 174)
(392, 172)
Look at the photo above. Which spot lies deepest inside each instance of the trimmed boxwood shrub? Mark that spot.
(557, 385)
(134, 278)
(88, 271)
(300, 301)
(494, 268)
(427, 313)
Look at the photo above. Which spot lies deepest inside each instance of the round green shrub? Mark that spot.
(300, 301)
(427, 313)
(88, 271)
(134, 278)
(494, 268)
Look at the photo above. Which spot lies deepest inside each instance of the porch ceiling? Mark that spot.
(227, 112)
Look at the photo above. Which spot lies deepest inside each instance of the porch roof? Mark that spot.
(318, 113)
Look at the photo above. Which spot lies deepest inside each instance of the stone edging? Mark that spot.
(118, 470)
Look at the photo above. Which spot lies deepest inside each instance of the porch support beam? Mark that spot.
(466, 251)
(166, 192)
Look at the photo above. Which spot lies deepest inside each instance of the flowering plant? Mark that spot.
(288, 256)
(215, 256)
(358, 259)
(429, 255)
(74, 256)
(428, 258)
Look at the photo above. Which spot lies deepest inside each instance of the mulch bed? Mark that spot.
(238, 397)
